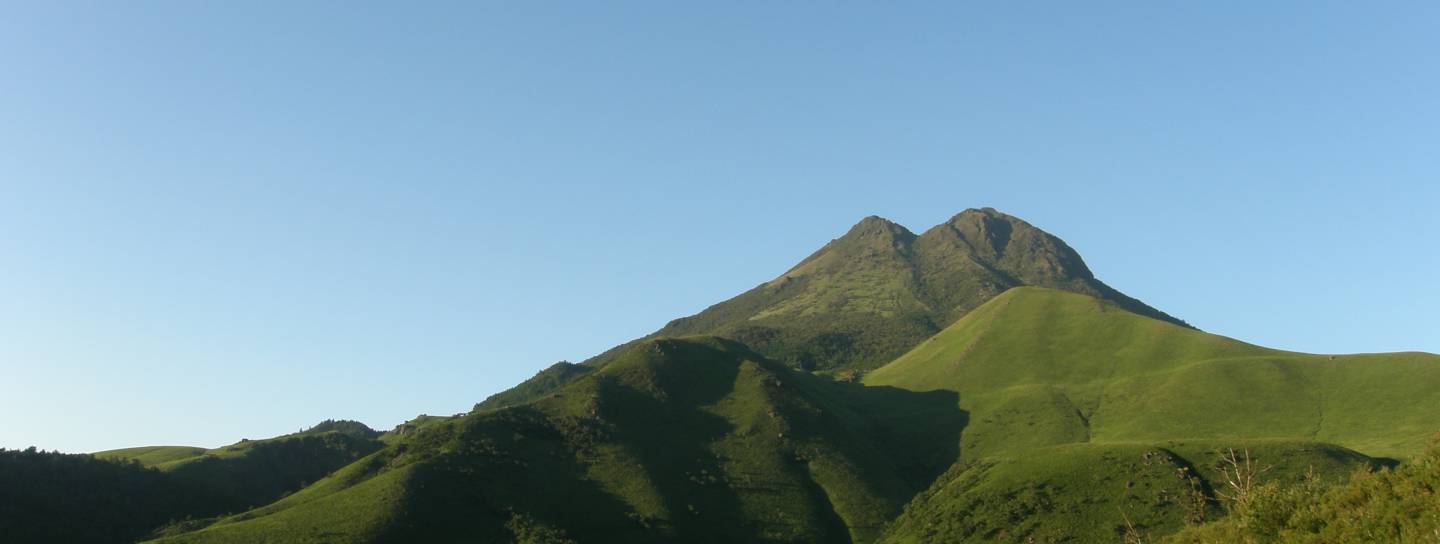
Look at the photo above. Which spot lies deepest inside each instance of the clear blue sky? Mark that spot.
(226, 220)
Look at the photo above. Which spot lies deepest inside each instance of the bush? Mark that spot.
(1400, 505)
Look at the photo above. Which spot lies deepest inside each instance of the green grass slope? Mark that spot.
(362, 502)
(696, 440)
(255, 472)
(1081, 414)
(252, 473)
(1038, 367)
(155, 456)
(539, 385)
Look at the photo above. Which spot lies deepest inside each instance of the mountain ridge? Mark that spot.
(881, 275)
(873, 293)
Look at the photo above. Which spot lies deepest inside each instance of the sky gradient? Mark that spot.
(233, 221)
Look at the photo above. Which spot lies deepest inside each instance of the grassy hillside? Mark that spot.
(240, 476)
(156, 456)
(1038, 367)
(678, 440)
(539, 385)
(255, 472)
(122, 495)
(1067, 395)
(153, 455)
(351, 428)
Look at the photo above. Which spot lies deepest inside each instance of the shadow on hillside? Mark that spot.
(709, 447)
(264, 471)
(512, 471)
(919, 431)
(669, 434)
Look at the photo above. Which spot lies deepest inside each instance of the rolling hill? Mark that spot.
(695, 439)
(1070, 368)
(122, 495)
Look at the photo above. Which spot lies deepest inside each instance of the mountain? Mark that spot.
(1025, 401)
(874, 293)
(1042, 414)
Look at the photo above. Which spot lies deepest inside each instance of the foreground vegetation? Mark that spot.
(1400, 506)
(1088, 492)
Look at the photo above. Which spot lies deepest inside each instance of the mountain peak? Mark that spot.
(873, 240)
(986, 211)
(972, 215)
(878, 290)
(1010, 243)
(875, 225)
